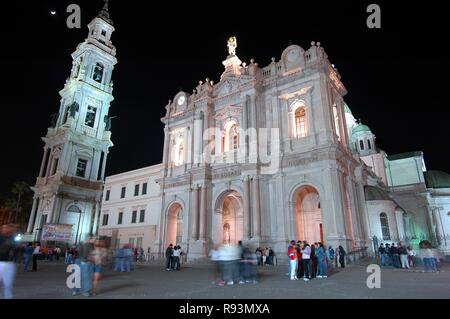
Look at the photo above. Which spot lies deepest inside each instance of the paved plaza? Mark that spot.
(195, 282)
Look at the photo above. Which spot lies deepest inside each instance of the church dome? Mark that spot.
(375, 193)
(437, 179)
(360, 128)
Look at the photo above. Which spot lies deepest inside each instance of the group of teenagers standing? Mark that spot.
(312, 261)
(173, 257)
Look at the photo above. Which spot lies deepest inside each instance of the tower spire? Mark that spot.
(104, 13)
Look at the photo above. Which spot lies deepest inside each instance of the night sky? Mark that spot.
(397, 77)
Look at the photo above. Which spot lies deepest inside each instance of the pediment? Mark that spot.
(226, 87)
(228, 112)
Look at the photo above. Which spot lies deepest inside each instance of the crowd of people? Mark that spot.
(312, 261)
(265, 256)
(234, 263)
(405, 257)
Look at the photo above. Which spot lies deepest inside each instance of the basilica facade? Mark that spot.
(266, 155)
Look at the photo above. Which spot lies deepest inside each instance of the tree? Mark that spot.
(19, 189)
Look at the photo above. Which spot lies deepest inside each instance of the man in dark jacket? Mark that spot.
(395, 257)
(382, 253)
(169, 254)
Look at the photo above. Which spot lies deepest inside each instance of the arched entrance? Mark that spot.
(174, 230)
(229, 219)
(308, 223)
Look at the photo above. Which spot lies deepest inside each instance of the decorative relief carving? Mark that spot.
(227, 172)
(228, 112)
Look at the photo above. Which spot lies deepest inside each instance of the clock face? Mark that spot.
(181, 100)
(293, 56)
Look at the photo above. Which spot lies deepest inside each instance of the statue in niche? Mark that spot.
(74, 108)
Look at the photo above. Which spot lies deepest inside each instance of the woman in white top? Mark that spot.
(411, 254)
(176, 257)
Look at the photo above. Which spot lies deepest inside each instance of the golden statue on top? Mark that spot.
(232, 45)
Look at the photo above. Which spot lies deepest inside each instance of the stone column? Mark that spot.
(354, 210)
(431, 229)
(203, 211)
(256, 216)
(246, 199)
(254, 119)
(33, 215)
(96, 219)
(400, 225)
(195, 215)
(166, 146)
(49, 165)
(51, 212)
(291, 129)
(105, 157)
(44, 158)
(439, 226)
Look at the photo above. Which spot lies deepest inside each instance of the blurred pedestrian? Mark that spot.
(36, 253)
(342, 254)
(84, 260)
(27, 256)
(322, 262)
(98, 258)
(7, 266)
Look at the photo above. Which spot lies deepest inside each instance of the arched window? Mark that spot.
(98, 72)
(385, 226)
(230, 137)
(361, 145)
(300, 123)
(369, 144)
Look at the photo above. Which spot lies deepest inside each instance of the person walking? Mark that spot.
(36, 253)
(27, 256)
(98, 259)
(342, 254)
(57, 253)
(85, 262)
(7, 266)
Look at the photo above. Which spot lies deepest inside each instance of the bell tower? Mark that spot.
(70, 183)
